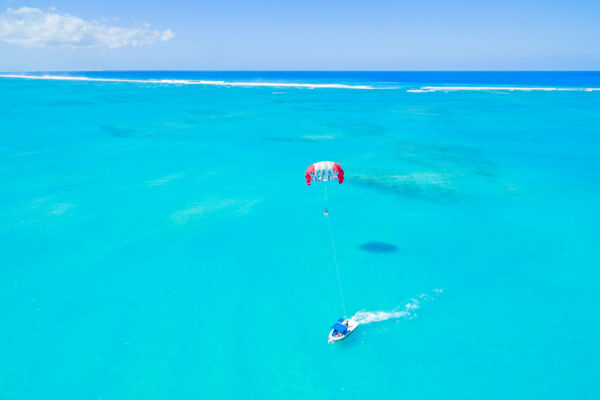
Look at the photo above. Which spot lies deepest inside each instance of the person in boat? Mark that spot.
(340, 332)
(326, 213)
(345, 323)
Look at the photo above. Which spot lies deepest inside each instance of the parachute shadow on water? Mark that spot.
(379, 247)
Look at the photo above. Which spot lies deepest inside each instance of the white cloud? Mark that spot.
(33, 27)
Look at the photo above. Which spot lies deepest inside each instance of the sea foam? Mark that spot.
(424, 89)
(429, 89)
(192, 82)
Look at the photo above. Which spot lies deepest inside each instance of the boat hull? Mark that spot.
(351, 324)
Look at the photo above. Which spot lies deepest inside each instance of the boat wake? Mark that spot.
(407, 311)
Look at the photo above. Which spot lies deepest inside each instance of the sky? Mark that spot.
(299, 35)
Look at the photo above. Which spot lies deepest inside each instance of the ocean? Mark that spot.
(158, 239)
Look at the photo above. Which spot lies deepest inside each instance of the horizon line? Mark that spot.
(298, 70)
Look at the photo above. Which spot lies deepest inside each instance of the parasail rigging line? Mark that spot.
(337, 268)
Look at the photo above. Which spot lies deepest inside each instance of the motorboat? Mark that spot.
(342, 329)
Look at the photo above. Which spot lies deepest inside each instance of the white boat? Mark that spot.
(342, 329)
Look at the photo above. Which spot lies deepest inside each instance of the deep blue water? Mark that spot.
(158, 240)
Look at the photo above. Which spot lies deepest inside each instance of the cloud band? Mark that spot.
(32, 27)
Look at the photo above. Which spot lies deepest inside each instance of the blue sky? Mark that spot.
(299, 35)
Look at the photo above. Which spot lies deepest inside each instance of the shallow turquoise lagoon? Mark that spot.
(158, 240)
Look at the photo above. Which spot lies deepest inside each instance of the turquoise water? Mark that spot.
(158, 241)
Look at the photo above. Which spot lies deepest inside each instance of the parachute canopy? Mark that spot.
(324, 171)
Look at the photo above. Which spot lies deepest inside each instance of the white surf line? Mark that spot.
(408, 311)
(192, 82)
(427, 89)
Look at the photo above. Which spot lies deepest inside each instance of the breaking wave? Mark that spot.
(429, 89)
(306, 85)
(191, 82)
(407, 311)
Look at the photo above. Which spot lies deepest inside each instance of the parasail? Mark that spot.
(324, 171)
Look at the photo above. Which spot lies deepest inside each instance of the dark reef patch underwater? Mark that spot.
(379, 247)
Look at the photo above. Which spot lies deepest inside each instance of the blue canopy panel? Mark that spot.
(341, 320)
(339, 327)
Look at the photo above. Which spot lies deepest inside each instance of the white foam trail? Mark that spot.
(366, 317)
(191, 82)
(429, 89)
(407, 311)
